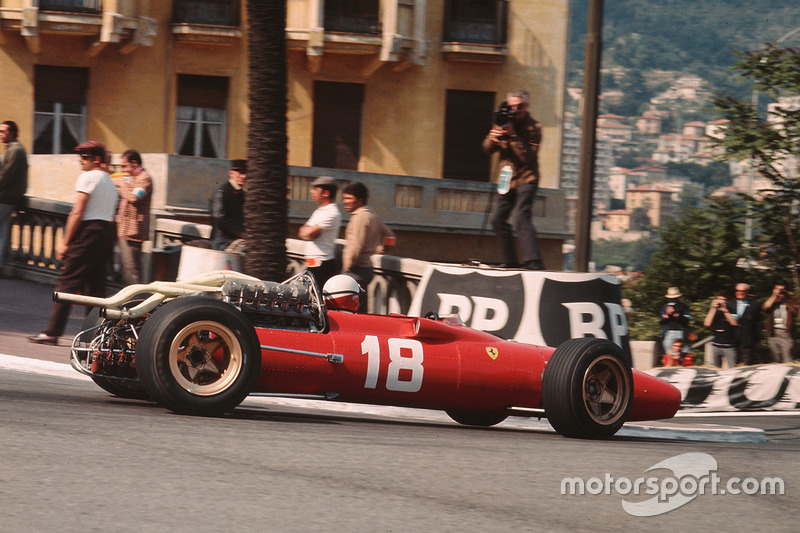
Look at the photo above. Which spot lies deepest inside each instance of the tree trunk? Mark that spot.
(266, 200)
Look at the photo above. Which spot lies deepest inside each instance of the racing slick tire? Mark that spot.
(473, 418)
(587, 388)
(122, 388)
(197, 355)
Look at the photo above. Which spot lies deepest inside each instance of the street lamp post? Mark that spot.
(748, 222)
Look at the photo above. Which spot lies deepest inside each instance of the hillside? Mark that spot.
(642, 38)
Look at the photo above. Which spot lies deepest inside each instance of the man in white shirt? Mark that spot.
(321, 230)
(88, 241)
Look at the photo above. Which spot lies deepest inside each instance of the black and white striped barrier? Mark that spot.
(751, 388)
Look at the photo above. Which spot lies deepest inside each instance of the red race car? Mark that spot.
(203, 346)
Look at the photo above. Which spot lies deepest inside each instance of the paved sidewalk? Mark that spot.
(24, 310)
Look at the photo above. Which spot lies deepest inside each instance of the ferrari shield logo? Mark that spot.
(493, 353)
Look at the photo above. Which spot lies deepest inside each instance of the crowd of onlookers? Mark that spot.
(737, 323)
(112, 211)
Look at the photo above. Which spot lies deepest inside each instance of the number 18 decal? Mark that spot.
(404, 354)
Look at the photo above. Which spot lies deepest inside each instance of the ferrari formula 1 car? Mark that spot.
(201, 347)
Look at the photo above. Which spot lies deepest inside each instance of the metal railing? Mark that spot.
(475, 21)
(352, 16)
(207, 12)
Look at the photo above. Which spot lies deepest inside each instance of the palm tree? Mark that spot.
(266, 202)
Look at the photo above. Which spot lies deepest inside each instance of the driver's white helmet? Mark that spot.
(341, 292)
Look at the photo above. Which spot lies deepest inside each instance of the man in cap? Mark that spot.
(88, 241)
(674, 319)
(227, 206)
(321, 230)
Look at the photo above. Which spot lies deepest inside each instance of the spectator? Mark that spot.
(747, 313)
(365, 235)
(321, 230)
(627, 307)
(516, 136)
(133, 216)
(227, 207)
(677, 356)
(781, 310)
(13, 180)
(722, 323)
(88, 241)
(674, 319)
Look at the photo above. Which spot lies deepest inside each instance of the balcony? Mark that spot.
(391, 31)
(207, 21)
(78, 18)
(352, 16)
(72, 6)
(475, 30)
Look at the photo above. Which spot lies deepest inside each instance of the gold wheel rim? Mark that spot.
(605, 390)
(205, 358)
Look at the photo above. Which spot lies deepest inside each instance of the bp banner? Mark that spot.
(544, 308)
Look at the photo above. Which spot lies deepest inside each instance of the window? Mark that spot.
(468, 118)
(211, 12)
(72, 6)
(59, 118)
(475, 21)
(352, 16)
(200, 128)
(338, 110)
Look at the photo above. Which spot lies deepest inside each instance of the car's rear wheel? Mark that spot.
(478, 418)
(198, 355)
(587, 388)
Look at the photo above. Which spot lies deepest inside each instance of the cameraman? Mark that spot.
(722, 323)
(781, 310)
(516, 136)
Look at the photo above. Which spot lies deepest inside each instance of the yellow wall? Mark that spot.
(132, 95)
(404, 111)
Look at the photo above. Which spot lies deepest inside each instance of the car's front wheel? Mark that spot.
(587, 388)
(198, 355)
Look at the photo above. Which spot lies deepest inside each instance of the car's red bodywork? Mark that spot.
(419, 362)
(202, 347)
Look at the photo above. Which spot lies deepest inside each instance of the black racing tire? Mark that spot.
(478, 418)
(587, 388)
(199, 356)
(122, 388)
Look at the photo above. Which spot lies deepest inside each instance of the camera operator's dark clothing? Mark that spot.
(520, 151)
(519, 200)
(723, 345)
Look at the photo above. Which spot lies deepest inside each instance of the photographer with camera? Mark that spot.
(722, 324)
(781, 310)
(516, 137)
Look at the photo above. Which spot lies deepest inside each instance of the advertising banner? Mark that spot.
(748, 388)
(543, 308)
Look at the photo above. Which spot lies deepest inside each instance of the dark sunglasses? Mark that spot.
(85, 157)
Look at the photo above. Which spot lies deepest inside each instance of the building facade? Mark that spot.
(405, 88)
